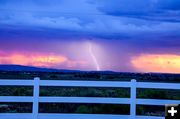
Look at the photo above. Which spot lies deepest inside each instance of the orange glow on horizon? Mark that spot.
(32, 60)
(165, 63)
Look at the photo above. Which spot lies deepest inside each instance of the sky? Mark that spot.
(115, 35)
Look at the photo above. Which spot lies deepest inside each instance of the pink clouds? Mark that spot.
(32, 59)
(40, 60)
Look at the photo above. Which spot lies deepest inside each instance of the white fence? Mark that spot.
(36, 99)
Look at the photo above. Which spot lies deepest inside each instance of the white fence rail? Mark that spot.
(36, 99)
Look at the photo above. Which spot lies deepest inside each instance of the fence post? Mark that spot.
(35, 110)
(133, 99)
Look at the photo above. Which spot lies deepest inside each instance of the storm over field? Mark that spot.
(117, 35)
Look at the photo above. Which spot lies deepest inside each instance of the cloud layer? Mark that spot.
(119, 30)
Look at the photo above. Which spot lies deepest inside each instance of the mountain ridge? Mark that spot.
(12, 67)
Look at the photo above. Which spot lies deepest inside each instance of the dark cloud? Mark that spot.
(169, 4)
(157, 10)
(121, 16)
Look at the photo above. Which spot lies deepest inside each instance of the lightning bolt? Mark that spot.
(93, 57)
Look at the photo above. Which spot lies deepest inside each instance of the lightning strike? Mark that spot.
(94, 57)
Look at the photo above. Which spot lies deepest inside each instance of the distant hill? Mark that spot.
(31, 68)
(11, 67)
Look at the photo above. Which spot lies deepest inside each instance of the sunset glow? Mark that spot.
(32, 60)
(157, 63)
